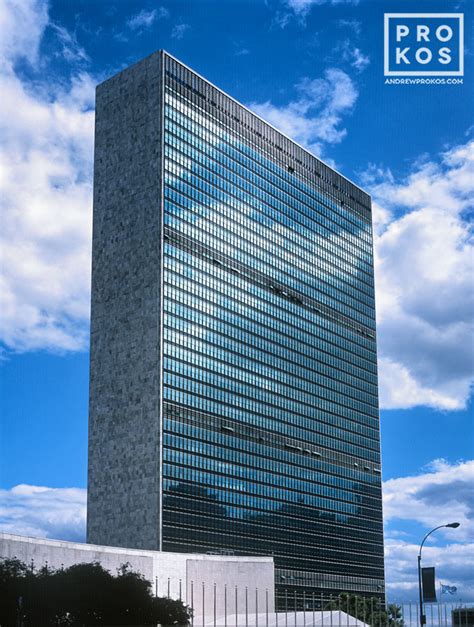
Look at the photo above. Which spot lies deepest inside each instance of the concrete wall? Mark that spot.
(194, 575)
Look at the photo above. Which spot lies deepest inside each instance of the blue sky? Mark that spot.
(314, 68)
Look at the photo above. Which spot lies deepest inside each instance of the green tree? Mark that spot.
(13, 587)
(83, 594)
(370, 610)
(395, 615)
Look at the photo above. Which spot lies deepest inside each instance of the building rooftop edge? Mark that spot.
(118, 549)
(259, 117)
(163, 52)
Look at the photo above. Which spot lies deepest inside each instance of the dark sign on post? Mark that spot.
(428, 584)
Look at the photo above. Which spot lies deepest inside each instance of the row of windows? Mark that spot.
(233, 472)
(339, 393)
(305, 272)
(332, 555)
(326, 224)
(197, 162)
(279, 299)
(227, 490)
(285, 555)
(265, 307)
(227, 454)
(303, 577)
(251, 410)
(212, 236)
(223, 142)
(273, 446)
(239, 334)
(211, 353)
(235, 405)
(214, 372)
(221, 138)
(249, 223)
(327, 244)
(266, 143)
(206, 272)
(315, 370)
(270, 526)
(296, 410)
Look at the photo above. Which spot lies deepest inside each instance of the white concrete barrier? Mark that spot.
(198, 579)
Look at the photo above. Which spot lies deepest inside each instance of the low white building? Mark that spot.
(216, 584)
(223, 590)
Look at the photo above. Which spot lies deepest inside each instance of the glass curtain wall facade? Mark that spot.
(270, 425)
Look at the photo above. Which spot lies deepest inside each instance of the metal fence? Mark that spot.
(441, 614)
(221, 605)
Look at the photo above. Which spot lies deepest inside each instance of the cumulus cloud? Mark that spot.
(315, 116)
(423, 256)
(43, 512)
(46, 159)
(22, 23)
(358, 59)
(454, 564)
(441, 494)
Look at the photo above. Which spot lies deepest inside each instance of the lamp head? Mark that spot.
(453, 525)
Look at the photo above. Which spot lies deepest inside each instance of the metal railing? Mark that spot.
(222, 605)
(453, 613)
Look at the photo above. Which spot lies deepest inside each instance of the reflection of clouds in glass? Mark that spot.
(178, 171)
(341, 270)
(286, 267)
(271, 240)
(193, 114)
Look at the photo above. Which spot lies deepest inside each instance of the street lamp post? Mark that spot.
(453, 525)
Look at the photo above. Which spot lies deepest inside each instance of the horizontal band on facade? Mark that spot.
(217, 423)
(193, 246)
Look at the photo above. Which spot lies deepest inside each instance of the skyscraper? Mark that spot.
(233, 391)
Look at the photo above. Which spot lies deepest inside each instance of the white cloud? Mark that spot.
(358, 59)
(179, 30)
(22, 23)
(302, 7)
(145, 19)
(314, 118)
(423, 255)
(38, 511)
(71, 50)
(46, 158)
(351, 54)
(353, 25)
(454, 564)
(440, 495)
